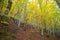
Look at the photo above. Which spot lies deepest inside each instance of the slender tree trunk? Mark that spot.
(19, 16)
(48, 30)
(42, 33)
(53, 30)
(25, 14)
(18, 22)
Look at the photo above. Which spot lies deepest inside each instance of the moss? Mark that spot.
(3, 33)
(30, 38)
(13, 36)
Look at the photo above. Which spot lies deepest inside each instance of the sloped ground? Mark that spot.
(12, 32)
(27, 33)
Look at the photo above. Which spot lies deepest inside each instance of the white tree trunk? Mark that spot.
(53, 30)
(42, 32)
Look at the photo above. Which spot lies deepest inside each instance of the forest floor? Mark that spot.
(12, 32)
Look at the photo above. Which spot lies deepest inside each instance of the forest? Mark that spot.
(30, 19)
